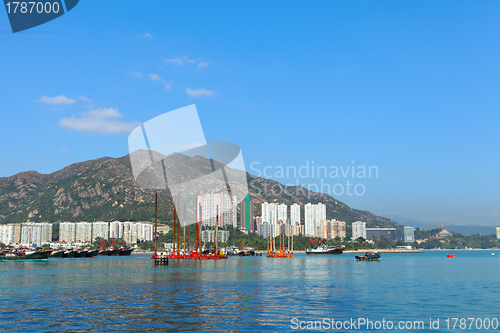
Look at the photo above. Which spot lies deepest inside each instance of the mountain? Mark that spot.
(466, 230)
(104, 189)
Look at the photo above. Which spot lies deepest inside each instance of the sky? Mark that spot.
(409, 88)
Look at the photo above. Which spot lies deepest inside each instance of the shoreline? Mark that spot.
(366, 250)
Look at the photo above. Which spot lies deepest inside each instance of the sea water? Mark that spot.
(305, 293)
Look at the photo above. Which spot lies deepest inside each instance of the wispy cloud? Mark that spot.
(59, 99)
(493, 214)
(137, 74)
(62, 149)
(146, 36)
(199, 92)
(186, 60)
(176, 61)
(100, 120)
(85, 99)
(154, 77)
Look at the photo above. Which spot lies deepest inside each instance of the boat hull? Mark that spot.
(57, 254)
(81, 254)
(69, 254)
(336, 251)
(125, 252)
(91, 254)
(103, 253)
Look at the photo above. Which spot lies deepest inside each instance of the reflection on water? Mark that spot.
(242, 294)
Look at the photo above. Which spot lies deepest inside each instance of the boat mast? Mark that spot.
(156, 222)
(288, 237)
(178, 228)
(174, 227)
(216, 229)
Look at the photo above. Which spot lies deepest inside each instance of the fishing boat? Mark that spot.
(81, 253)
(104, 252)
(69, 254)
(245, 250)
(125, 251)
(57, 254)
(369, 256)
(322, 249)
(40, 255)
(325, 250)
(91, 253)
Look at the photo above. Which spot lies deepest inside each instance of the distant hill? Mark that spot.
(104, 189)
(466, 230)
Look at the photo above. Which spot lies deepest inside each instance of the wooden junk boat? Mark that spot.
(189, 252)
(283, 251)
(369, 256)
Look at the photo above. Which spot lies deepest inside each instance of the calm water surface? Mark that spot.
(130, 294)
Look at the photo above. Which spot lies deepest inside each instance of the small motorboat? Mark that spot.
(369, 256)
(450, 255)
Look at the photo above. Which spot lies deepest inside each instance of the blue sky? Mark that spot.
(410, 87)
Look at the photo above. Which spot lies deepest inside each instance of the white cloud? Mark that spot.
(59, 99)
(62, 149)
(101, 120)
(176, 61)
(185, 59)
(167, 86)
(85, 99)
(137, 74)
(154, 77)
(146, 35)
(493, 214)
(191, 61)
(199, 92)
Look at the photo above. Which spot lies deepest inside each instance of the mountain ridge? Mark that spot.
(104, 189)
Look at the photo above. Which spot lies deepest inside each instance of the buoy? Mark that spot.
(451, 256)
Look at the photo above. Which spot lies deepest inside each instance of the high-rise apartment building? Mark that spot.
(100, 230)
(67, 232)
(218, 208)
(358, 229)
(282, 212)
(295, 213)
(313, 215)
(246, 213)
(83, 232)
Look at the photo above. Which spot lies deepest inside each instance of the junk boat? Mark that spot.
(41, 255)
(369, 256)
(91, 253)
(57, 254)
(125, 251)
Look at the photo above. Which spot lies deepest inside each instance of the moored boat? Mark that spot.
(57, 254)
(125, 251)
(41, 255)
(325, 250)
(91, 253)
(104, 252)
(69, 254)
(81, 253)
(369, 256)
(114, 252)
